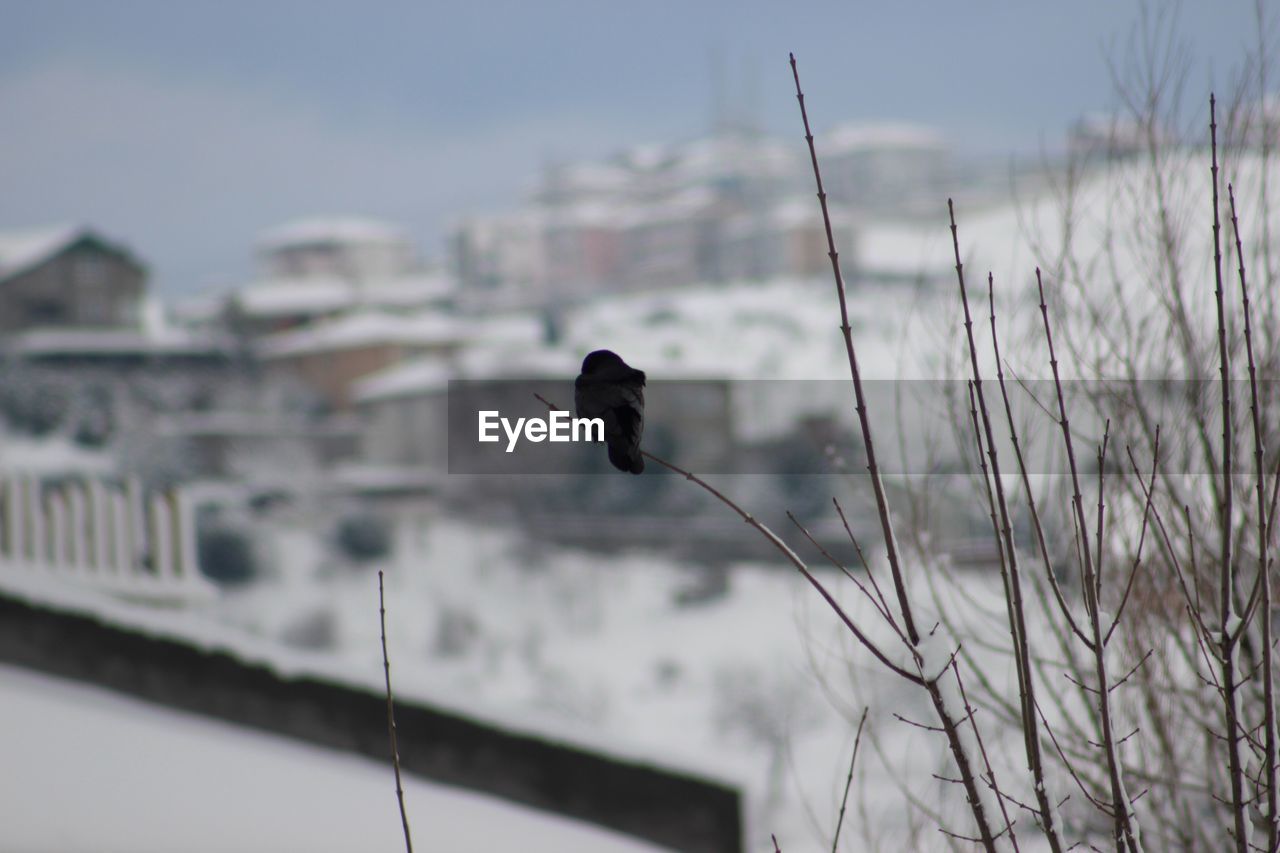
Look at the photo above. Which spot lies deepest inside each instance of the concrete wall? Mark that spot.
(666, 807)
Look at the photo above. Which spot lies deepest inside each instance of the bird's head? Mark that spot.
(599, 360)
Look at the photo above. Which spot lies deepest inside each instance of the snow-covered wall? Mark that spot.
(674, 809)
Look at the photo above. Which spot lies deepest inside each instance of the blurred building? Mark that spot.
(1262, 123)
(324, 267)
(652, 218)
(340, 247)
(785, 239)
(68, 277)
(885, 168)
(1102, 137)
(734, 205)
(327, 356)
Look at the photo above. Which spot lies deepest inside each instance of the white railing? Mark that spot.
(112, 536)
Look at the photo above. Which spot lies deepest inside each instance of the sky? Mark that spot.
(184, 129)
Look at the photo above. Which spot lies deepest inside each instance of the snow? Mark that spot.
(109, 342)
(409, 378)
(432, 374)
(565, 645)
(55, 456)
(600, 650)
(87, 769)
(714, 156)
(891, 135)
(335, 229)
(363, 329)
(22, 249)
(588, 178)
(234, 625)
(792, 326)
(906, 250)
(274, 297)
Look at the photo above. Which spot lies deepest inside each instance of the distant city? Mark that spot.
(337, 355)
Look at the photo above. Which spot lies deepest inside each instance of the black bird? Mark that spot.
(611, 390)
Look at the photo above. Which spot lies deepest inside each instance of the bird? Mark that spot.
(610, 389)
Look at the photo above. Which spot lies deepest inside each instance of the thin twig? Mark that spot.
(862, 558)
(1263, 580)
(1124, 831)
(857, 739)
(1142, 536)
(885, 614)
(391, 717)
(877, 486)
(786, 551)
(963, 761)
(1226, 571)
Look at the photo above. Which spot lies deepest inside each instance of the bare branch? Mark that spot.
(391, 717)
(857, 739)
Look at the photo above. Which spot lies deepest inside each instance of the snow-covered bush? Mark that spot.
(363, 537)
(226, 554)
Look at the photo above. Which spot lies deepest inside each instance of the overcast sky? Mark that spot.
(185, 128)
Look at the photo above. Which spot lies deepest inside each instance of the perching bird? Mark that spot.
(614, 392)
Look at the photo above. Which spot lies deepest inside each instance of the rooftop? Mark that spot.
(25, 248)
(331, 229)
(365, 328)
(879, 135)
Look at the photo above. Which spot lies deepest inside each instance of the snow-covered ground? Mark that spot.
(89, 770)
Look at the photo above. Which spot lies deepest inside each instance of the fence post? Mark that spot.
(135, 529)
(120, 524)
(58, 555)
(14, 521)
(162, 537)
(184, 533)
(99, 521)
(35, 512)
(78, 542)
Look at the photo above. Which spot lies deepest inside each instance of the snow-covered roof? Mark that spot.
(879, 135)
(112, 342)
(323, 295)
(677, 207)
(334, 229)
(908, 249)
(405, 379)
(646, 157)
(611, 214)
(1121, 131)
(286, 297)
(20, 250)
(589, 177)
(783, 329)
(405, 290)
(508, 361)
(365, 328)
(717, 155)
(794, 212)
(478, 362)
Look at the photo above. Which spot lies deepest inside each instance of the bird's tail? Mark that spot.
(626, 459)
